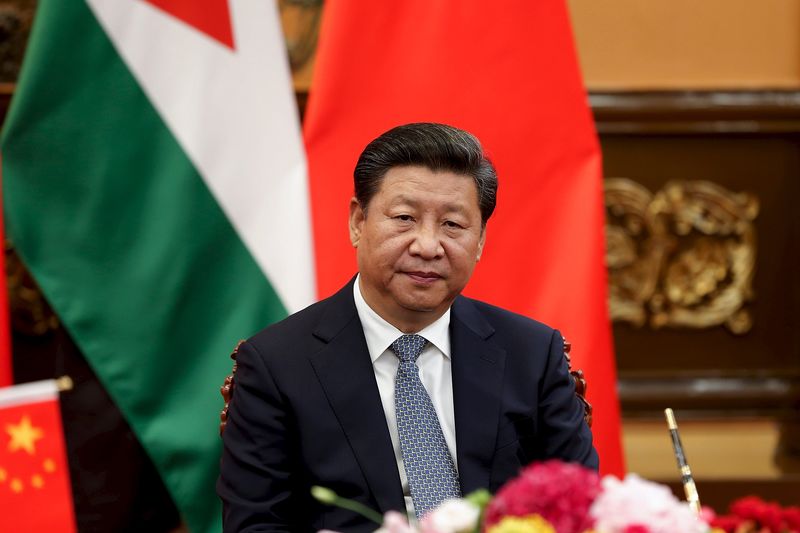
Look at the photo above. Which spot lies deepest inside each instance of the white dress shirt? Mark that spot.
(434, 372)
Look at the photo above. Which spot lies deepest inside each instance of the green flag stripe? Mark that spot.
(129, 247)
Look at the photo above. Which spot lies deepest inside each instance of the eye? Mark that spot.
(452, 225)
(404, 218)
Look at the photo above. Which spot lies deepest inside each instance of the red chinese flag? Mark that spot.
(35, 492)
(507, 72)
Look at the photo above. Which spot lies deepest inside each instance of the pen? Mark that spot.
(686, 473)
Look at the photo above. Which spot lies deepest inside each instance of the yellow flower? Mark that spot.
(522, 524)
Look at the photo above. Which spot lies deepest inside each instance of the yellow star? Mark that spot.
(23, 436)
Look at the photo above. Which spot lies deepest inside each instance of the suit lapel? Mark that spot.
(345, 371)
(477, 368)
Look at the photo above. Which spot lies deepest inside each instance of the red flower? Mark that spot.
(749, 507)
(561, 493)
(791, 517)
(729, 523)
(772, 517)
(767, 515)
(636, 528)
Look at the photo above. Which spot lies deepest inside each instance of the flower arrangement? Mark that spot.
(567, 498)
(557, 497)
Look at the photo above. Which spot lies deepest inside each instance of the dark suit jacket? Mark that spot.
(306, 411)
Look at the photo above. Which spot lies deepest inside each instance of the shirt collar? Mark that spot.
(380, 334)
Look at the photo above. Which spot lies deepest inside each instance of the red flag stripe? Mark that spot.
(508, 73)
(211, 17)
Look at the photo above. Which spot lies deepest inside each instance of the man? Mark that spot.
(397, 392)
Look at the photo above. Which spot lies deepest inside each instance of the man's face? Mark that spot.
(417, 243)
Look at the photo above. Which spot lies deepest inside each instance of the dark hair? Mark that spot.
(434, 146)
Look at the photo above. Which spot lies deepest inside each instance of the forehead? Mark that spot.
(427, 184)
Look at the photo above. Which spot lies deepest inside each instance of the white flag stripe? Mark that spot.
(35, 391)
(247, 146)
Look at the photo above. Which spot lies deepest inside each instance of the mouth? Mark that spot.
(424, 278)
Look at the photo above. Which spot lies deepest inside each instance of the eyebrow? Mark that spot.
(449, 207)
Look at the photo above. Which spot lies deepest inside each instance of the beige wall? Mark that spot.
(688, 44)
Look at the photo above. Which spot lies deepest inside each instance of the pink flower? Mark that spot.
(636, 502)
(452, 516)
(561, 493)
(394, 522)
(707, 514)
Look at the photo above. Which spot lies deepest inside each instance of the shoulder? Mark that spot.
(505, 323)
(299, 323)
(303, 331)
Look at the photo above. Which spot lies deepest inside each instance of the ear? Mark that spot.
(357, 217)
(481, 242)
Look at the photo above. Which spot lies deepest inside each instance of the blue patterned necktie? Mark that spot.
(430, 470)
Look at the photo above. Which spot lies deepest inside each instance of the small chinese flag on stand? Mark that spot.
(35, 492)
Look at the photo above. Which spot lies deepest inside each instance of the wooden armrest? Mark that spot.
(227, 390)
(580, 385)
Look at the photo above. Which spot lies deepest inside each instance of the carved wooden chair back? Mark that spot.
(577, 376)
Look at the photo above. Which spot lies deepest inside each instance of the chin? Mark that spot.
(422, 305)
(420, 308)
(414, 304)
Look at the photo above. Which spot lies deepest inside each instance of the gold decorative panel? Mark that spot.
(682, 257)
(30, 312)
(16, 17)
(300, 20)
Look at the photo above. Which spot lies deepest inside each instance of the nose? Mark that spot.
(427, 243)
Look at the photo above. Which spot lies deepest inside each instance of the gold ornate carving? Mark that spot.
(300, 21)
(683, 257)
(30, 312)
(16, 17)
